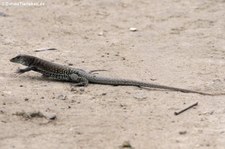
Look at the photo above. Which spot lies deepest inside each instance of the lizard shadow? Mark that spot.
(41, 78)
(156, 89)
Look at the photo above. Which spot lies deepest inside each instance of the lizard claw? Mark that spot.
(19, 71)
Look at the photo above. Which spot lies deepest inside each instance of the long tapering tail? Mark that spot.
(125, 82)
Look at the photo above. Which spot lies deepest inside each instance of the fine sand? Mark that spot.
(179, 43)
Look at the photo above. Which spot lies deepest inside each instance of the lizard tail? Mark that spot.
(125, 82)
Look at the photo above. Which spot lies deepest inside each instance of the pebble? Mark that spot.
(62, 97)
(70, 64)
(126, 145)
(100, 34)
(82, 89)
(183, 132)
(103, 94)
(2, 14)
(51, 116)
(133, 29)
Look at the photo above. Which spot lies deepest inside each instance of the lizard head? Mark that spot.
(22, 59)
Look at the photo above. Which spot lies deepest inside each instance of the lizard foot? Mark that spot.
(80, 84)
(20, 71)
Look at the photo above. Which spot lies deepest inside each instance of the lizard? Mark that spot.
(80, 77)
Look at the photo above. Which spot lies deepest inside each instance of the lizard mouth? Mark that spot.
(14, 60)
(11, 60)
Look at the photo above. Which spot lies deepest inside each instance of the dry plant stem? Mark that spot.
(181, 111)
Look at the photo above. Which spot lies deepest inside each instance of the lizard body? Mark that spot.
(79, 76)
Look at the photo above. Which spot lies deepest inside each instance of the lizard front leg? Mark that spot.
(20, 71)
(79, 81)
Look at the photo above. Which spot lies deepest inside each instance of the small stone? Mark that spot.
(100, 34)
(26, 99)
(126, 144)
(103, 94)
(51, 116)
(70, 64)
(153, 79)
(73, 89)
(121, 105)
(82, 89)
(2, 14)
(62, 97)
(21, 85)
(79, 133)
(133, 29)
(182, 132)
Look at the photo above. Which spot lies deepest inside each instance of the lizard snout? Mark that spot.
(11, 60)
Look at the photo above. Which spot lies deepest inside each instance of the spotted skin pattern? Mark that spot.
(80, 77)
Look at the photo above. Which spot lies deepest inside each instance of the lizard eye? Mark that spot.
(18, 57)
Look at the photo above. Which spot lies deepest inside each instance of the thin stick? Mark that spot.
(181, 111)
(40, 50)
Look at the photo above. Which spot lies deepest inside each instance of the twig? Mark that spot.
(181, 111)
(41, 50)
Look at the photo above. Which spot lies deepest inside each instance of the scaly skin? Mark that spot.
(81, 77)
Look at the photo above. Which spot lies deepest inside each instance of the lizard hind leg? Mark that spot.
(78, 81)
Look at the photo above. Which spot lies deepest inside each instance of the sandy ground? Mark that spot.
(177, 43)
